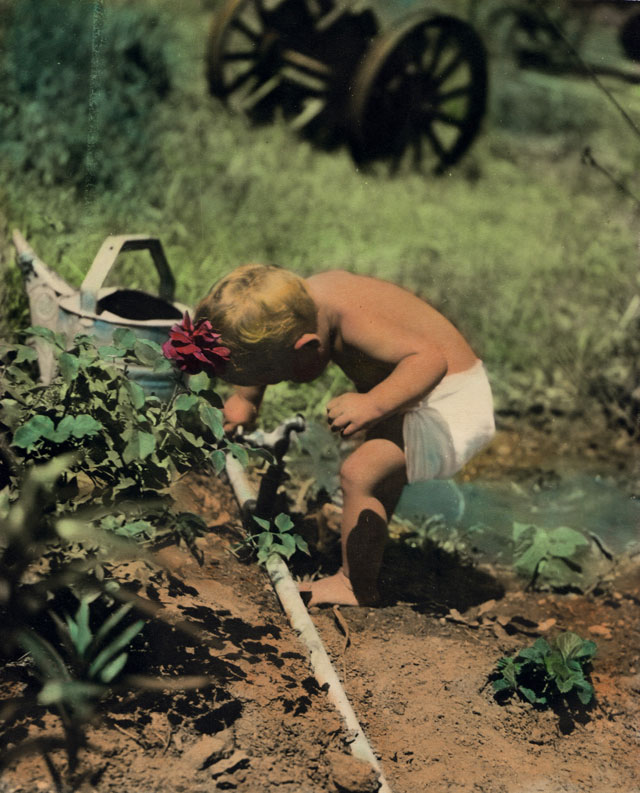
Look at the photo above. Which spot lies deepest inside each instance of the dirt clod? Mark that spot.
(226, 764)
(352, 775)
(600, 630)
(209, 749)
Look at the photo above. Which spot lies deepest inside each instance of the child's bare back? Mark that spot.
(394, 346)
(375, 323)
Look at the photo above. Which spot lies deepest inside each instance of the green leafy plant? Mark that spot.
(549, 558)
(317, 458)
(129, 445)
(81, 656)
(546, 672)
(36, 565)
(276, 538)
(76, 678)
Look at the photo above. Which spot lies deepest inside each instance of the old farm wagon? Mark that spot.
(555, 36)
(416, 90)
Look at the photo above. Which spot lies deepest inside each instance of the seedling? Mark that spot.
(549, 558)
(547, 672)
(74, 680)
(275, 539)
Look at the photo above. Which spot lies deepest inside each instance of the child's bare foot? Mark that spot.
(335, 589)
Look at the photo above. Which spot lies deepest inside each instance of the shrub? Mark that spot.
(76, 98)
(128, 445)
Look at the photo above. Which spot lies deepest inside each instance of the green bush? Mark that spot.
(78, 86)
(127, 445)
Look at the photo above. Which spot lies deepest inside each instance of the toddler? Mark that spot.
(422, 400)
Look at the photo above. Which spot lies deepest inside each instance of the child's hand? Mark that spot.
(238, 411)
(349, 413)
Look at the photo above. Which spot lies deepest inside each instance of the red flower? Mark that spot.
(195, 347)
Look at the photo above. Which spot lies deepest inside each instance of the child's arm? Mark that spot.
(412, 378)
(393, 329)
(242, 407)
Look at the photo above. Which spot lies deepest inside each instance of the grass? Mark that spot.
(528, 250)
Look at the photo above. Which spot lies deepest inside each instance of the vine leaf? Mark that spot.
(139, 446)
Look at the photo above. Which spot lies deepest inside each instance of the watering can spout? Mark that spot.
(44, 290)
(35, 272)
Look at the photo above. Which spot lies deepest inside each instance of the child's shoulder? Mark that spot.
(330, 278)
(337, 284)
(329, 286)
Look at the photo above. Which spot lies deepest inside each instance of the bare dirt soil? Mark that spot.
(416, 671)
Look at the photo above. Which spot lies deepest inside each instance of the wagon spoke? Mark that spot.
(314, 106)
(437, 52)
(436, 144)
(239, 56)
(447, 118)
(259, 92)
(240, 79)
(454, 93)
(451, 68)
(415, 50)
(306, 63)
(242, 26)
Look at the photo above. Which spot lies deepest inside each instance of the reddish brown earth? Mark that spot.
(416, 672)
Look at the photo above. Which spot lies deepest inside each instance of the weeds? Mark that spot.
(74, 677)
(74, 681)
(51, 553)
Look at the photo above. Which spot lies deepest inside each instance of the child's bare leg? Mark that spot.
(372, 480)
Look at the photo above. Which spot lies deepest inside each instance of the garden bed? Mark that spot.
(416, 671)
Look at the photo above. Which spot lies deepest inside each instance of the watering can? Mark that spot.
(98, 310)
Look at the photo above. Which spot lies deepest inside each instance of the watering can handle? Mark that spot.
(105, 260)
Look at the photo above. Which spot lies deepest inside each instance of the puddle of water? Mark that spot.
(488, 510)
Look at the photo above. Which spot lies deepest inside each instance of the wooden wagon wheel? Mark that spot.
(630, 37)
(256, 58)
(421, 90)
(533, 34)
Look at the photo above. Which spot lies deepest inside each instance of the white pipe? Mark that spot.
(301, 622)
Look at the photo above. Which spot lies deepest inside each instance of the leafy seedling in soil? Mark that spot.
(75, 675)
(545, 673)
(274, 539)
(75, 669)
(75, 678)
(549, 558)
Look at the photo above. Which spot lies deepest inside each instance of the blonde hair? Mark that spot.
(259, 310)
